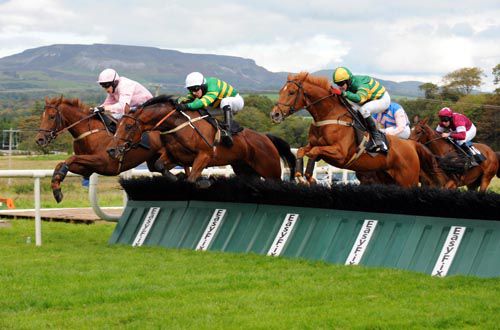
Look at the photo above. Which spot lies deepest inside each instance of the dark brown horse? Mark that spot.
(477, 176)
(190, 140)
(332, 136)
(91, 139)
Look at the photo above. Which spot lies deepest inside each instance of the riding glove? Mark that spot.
(181, 107)
(98, 109)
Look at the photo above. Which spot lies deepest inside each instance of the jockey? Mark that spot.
(212, 93)
(394, 121)
(368, 96)
(121, 91)
(462, 130)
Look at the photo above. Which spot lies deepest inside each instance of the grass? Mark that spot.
(76, 280)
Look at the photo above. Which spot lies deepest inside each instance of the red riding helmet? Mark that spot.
(445, 112)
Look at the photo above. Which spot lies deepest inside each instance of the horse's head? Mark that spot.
(422, 132)
(137, 121)
(291, 98)
(128, 132)
(51, 121)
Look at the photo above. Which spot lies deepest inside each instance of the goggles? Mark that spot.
(194, 89)
(445, 119)
(106, 84)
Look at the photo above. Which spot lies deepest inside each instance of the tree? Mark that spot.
(464, 80)
(430, 90)
(496, 74)
(496, 77)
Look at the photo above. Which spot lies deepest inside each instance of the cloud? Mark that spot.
(424, 38)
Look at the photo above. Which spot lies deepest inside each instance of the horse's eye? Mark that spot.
(291, 93)
(128, 127)
(52, 117)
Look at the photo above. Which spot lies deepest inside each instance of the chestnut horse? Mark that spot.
(91, 139)
(190, 140)
(477, 176)
(332, 135)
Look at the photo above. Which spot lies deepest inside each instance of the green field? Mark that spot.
(76, 280)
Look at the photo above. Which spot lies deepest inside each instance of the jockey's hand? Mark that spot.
(97, 109)
(335, 91)
(445, 135)
(181, 107)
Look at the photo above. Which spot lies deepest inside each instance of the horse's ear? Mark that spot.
(127, 108)
(424, 121)
(289, 77)
(59, 101)
(46, 99)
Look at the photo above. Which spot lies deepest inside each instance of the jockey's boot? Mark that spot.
(111, 125)
(226, 137)
(378, 139)
(469, 153)
(478, 156)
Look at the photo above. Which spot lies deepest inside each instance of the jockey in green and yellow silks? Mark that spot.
(212, 93)
(368, 96)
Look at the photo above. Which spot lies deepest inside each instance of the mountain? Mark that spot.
(62, 68)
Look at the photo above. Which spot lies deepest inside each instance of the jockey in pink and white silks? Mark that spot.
(121, 91)
(393, 121)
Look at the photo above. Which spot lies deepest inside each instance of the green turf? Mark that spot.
(75, 280)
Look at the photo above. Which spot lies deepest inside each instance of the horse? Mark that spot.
(477, 176)
(90, 141)
(333, 135)
(190, 140)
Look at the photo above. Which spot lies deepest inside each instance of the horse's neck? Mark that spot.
(437, 144)
(71, 116)
(326, 107)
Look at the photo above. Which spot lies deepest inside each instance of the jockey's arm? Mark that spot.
(118, 107)
(459, 134)
(400, 118)
(204, 101)
(359, 97)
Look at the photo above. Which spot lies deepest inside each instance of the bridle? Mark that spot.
(137, 126)
(59, 128)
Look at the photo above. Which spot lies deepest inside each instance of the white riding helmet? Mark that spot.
(108, 75)
(194, 79)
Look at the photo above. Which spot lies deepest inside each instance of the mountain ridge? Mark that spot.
(62, 67)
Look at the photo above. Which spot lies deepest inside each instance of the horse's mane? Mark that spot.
(73, 102)
(159, 99)
(318, 81)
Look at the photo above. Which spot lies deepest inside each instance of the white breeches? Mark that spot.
(235, 102)
(374, 106)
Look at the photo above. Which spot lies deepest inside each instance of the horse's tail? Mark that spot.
(429, 165)
(498, 157)
(285, 152)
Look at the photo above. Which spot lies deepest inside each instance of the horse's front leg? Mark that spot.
(200, 163)
(84, 165)
(311, 162)
(299, 163)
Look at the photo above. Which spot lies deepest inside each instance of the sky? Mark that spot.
(396, 40)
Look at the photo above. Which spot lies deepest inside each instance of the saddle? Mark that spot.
(217, 124)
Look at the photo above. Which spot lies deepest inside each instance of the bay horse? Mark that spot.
(475, 177)
(90, 141)
(333, 137)
(190, 140)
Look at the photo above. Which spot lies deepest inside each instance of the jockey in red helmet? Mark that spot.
(461, 130)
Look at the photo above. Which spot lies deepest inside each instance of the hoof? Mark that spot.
(181, 176)
(203, 183)
(58, 195)
(170, 177)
